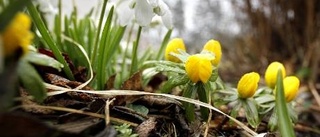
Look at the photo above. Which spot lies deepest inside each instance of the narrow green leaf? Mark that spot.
(57, 24)
(134, 65)
(91, 36)
(31, 80)
(101, 77)
(96, 43)
(111, 50)
(284, 122)
(47, 38)
(164, 44)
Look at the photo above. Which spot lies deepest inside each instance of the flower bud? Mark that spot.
(214, 47)
(291, 86)
(17, 34)
(271, 73)
(198, 68)
(248, 85)
(172, 47)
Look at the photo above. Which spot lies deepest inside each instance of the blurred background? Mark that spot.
(253, 33)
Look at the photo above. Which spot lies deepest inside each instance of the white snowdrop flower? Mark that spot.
(143, 11)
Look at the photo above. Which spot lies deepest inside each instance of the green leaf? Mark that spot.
(292, 113)
(273, 120)
(174, 81)
(264, 99)
(182, 55)
(251, 110)
(264, 109)
(231, 98)
(31, 80)
(284, 122)
(43, 60)
(48, 40)
(214, 76)
(139, 108)
(236, 108)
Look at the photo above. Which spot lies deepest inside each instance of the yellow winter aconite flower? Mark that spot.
(198, 68)
(291, 86)
(271, 73)
(248, 85)
(214, 47)
(172, 47)
(17, 34)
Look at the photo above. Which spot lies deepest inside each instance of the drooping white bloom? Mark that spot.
(143, 11)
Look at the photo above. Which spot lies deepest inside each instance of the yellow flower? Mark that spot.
(214, 47)
(17, 34)
(172, 47)
(271, 73)
(248, 85)
(291, 85)
(198, 68)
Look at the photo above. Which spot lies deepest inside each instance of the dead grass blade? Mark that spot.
(87, 59)
(60, 90)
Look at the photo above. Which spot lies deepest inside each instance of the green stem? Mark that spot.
(189, 92)
(201, 90)
(134, 61)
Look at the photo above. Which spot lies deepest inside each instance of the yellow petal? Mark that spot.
(271, 73)
(291, 86)
(172, 47)
(198, 68)
(17, 34)
(214, 47)
(248, 85)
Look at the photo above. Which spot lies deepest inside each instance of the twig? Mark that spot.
(107, 110)
(315, 108)
(314, 92)
(306, 128)
(113, 119)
